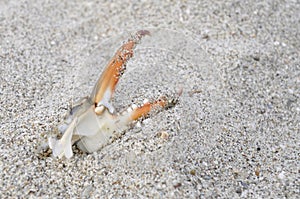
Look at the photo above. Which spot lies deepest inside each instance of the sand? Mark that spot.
(234, 133)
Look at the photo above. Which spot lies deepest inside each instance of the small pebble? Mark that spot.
(257, 171)
(177, 185)
(163, 135)
(193, 172)
(145, 101)
(87, 191)
(134, 106)
(129, 110)
(281, 176)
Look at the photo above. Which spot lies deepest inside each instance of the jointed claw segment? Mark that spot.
(146, 108)
(92, 124)
(106, 84)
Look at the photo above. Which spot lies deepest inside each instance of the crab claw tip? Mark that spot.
(144, 32)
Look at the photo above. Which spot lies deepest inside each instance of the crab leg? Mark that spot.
(106, 84)
(146, 108)
(135, 113)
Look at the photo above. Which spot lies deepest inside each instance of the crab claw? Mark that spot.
(134, 113)
(146, 108)
(107, 82)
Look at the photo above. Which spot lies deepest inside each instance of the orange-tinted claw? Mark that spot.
(106, 84)
(163, 102)
(146, 108)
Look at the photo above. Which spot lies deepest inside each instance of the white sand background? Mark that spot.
(234, 133)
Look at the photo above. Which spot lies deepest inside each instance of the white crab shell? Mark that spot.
(90, 131)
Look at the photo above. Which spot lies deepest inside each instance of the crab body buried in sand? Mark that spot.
(92, 123)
